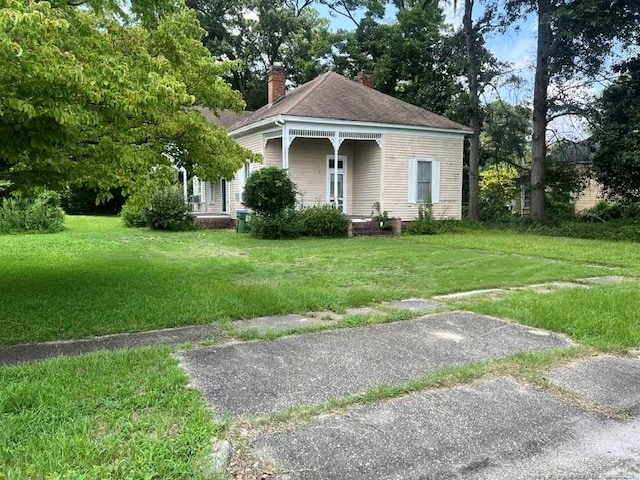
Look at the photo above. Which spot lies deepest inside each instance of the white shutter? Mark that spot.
(435, 181)
(412, 186)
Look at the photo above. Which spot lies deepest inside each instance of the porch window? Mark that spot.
(211, 192)
(424, 181)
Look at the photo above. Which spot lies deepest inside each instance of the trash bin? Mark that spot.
(242, 225)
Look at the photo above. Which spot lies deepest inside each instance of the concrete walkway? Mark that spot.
(257, 378)
(14, 354)
(494, 428)
(491, 429)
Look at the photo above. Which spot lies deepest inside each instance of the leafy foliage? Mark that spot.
(412, 58)
(261, 32)
(284, 224)
(324, 221)
(617, 134)
(606, 211)
(497, 189)
(89, 100)
(424, 225)
(41, 214)
(169, 211)
(269, 191)
(134, 216)
(86, 201)
(506, 134)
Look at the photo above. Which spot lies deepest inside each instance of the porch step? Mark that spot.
(369, 229)
(216, 222)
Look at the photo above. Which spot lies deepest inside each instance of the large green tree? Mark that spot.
(575, 40)
(86, 99)
(259, 33)
(616, 136)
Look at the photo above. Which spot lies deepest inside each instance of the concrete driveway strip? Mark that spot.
(491, 429)
(15, 354)
(257, 378)
(611, 381)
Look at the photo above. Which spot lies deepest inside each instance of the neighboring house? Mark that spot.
(387, 150)
(578, 155)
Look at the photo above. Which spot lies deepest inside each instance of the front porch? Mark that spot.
(356, 176)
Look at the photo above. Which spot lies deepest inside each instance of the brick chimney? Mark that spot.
(277, 78)
(365, 78)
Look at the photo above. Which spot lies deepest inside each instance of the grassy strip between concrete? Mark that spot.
(527, 367)
(386, 315)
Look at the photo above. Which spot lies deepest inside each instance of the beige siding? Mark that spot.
(367, 157)
(254, 143)
(308, 169)
(398, 150)
(272, 154)
(591, 195)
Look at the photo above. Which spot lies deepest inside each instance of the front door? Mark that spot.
(332, 199)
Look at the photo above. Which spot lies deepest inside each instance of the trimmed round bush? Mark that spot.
(269, 191)
(282, 225)
(324, 221)
(169, 211)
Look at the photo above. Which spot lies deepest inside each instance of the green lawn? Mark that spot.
(119, 415)
(129, 414)
(98, 277)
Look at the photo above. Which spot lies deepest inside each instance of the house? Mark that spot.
(577, 156)
(346, 144)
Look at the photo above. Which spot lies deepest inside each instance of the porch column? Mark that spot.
(184, 183)
(286, 143)
(336, 141)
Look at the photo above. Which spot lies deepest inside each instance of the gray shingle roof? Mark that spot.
(335, 97)
(225, 118)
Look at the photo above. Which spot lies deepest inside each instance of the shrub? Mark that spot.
(134, 216)
(282, 225)
(41, 214)
(605, 211)
(324, 221)
(557, 210)
(381, 217)
(169, 211)
(269, 191)
(424, 225)
(497, 189)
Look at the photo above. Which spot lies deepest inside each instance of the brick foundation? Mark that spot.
(216, 222)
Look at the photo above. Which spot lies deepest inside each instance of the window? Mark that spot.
(332, 163)
(247, 170)
(424, 181)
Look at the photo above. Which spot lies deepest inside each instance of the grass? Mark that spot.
(98, 277)
(606, 317)
(106, 415)
(129, 414)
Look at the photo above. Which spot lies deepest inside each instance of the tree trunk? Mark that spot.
(540, 106)
(472, 76)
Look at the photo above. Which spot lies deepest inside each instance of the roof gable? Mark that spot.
(335, 97)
